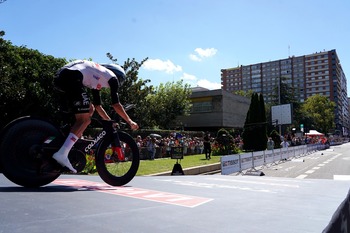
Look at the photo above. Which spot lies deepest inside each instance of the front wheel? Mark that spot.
(111, 168)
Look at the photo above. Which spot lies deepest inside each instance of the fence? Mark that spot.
(240, 162)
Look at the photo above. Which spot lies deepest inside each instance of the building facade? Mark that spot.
(215, 109)
(317, 73)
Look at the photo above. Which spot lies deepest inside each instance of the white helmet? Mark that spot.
(118, 71)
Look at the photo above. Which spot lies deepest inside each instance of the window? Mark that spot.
(201, 107)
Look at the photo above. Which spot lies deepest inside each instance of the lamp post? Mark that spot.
(279, 102)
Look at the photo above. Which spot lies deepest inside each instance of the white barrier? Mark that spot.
(240, 162)
(269, 156)
(230, 164)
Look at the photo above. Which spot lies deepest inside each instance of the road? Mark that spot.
(333, 163)
(297, 199)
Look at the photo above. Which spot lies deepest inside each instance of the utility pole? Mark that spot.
(279, 102)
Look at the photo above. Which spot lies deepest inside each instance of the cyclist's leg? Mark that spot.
(75, 92)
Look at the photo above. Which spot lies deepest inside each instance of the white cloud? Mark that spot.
(186, 76)
(202, 53)
(194, 82)
(209, 85)
(206, 52)
(195, 57)
(157, 64)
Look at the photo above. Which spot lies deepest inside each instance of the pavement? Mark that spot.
(169, 204)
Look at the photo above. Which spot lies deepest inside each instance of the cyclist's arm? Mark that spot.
(119, 109)
(97, 104)
(100, 110)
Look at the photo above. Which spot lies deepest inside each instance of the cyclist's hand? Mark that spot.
(133, 125)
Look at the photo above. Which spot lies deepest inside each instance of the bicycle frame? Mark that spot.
(108, 131)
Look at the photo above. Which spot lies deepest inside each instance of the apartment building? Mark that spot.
(317, 73)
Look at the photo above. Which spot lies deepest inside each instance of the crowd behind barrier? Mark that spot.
(160, 147)
(240, 162)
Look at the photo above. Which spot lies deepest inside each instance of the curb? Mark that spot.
(194, 170)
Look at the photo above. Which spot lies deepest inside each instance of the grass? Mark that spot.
(148, 167)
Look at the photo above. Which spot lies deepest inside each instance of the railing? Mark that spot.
(240, 162)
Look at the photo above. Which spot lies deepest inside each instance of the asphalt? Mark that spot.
(189, 203)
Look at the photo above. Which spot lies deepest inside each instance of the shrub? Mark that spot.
(224, 144)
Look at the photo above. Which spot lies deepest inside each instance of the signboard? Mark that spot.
(177, 153)
(229, 164)
(282, 113)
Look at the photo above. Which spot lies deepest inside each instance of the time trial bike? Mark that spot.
(28, 143)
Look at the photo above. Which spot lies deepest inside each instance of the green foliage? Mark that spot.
(248, 93)
(134, 91)
(26, 88)
(168, 101)
(157, 107)
(90, 167)
(26, 82)
(276, 138)
(283, 93)
(255, 131)
(318, 112)
(224, 144)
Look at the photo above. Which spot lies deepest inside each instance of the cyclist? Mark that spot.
(73, 79)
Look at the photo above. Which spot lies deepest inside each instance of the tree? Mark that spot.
(225, 143)
(320, 110)
(254, 130)
(248, 93)
(156, 107)
(261, 145)
(26, 88)
(134, 91)
(168, 101)
(26, 77)
(284, 93)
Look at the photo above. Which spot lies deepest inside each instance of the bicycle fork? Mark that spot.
(117, 147)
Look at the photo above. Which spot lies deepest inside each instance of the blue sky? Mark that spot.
(183, 39)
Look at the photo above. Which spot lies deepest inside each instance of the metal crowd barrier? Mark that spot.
(240, 162)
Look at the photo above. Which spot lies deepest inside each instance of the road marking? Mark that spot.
(335, 177)
(310, 171)
(138, 193)
(298, 160)
(341, 177)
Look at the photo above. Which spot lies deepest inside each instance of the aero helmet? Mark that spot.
(118, 71)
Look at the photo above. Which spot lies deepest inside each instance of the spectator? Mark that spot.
(270, 144)
(151, 148)
(207, 146)
(167, 144)
(139, 141)
(285, 143)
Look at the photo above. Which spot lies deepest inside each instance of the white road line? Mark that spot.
(341, 177)
(301, 177)
(310, 171)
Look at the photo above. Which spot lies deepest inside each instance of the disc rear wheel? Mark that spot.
(20, 152)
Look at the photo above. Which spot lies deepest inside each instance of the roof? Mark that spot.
(314, 133)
